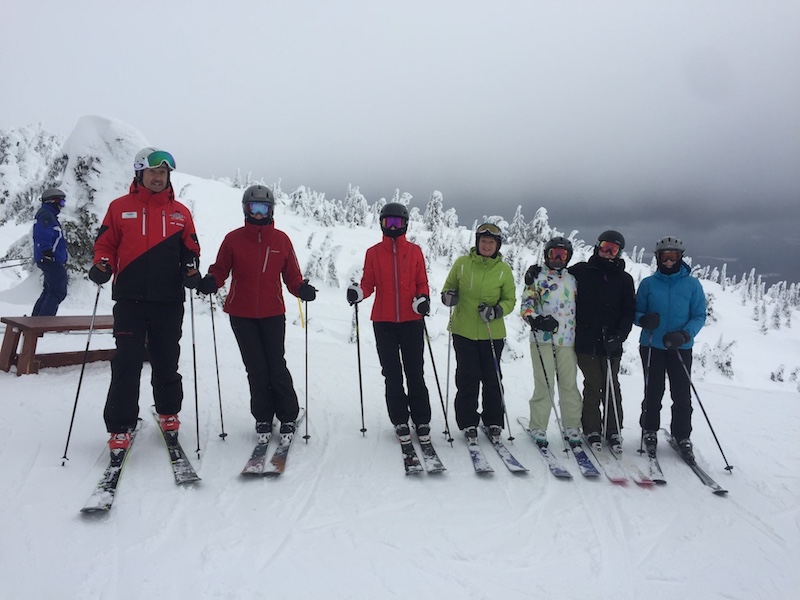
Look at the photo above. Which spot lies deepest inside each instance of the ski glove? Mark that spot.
(100, 273)
(422, 305)
(191, 276)
(612, 343)
(532, 273)
(207, 285)
(354, 294)
(450, 297)
(489, 313)
(650, 321)
(47, 256)
(306, 291)
(676, 339)
(541, 323)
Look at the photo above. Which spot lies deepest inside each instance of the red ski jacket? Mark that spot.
(148, 239)
(395, 270)
(257, 256)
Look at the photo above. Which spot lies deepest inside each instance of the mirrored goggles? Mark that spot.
(669, 255)
(489, 228)
(62, 202)
(608, 248)
(156, 159)
(560, 254)
(259, 208)
(393, 222)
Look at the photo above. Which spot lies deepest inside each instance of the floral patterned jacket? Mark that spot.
(553, 292)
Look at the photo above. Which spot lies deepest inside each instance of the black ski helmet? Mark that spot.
(260, 194)
(394, 209)
(612, 236)
(669, 243)
(53, 196)
(557, 242)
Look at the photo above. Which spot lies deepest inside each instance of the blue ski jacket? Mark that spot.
(48, 235)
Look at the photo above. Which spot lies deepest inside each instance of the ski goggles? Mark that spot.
(62, 202)
(393, 222)
(155, 160)
(607, 247)
(558, 254)
(669, 255)
(489, 228)
(259, 208)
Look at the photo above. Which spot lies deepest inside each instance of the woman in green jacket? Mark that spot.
(481, 288)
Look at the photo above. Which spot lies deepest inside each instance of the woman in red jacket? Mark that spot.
(395, 270)
(257, 256)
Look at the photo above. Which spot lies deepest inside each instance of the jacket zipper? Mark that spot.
(396, 282)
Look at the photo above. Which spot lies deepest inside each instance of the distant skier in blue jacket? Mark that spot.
(50, 253)
(671, 310)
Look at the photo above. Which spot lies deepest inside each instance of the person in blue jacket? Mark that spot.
(671, 310)
(50, 253)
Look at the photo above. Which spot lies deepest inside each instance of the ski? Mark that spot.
(410, 458)
(258, 458)
(653, 467)
(433, 463)
(608, 463)
(585, 463)
(555, 466)
(277, 463)
(633, 470)
(701, 474)
(182, 469)
(508, 459)
(103, 495)
(479, 461)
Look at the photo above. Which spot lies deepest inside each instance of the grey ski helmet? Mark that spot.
(53, 196)
(669, 243)
(557, 242)
(612, 236)
(394, 209)
(258, 194)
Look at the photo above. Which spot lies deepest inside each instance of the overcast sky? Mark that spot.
(654, 118)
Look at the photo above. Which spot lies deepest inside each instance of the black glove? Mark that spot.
(532, 273)
(422, 305)
(675, 339)
(47, 256)
(354, 294)
(650, 321)
(192, 278)
(489, 313)
(548, 323)
(100, 273)
(306, 291)
(207, 285)
(450, 297)
(612, 343)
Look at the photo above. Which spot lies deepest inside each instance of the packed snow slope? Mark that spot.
(344, 521)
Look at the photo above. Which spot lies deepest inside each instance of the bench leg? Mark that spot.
(26, 362)
(9, 349)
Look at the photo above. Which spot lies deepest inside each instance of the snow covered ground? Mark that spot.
(344, 521)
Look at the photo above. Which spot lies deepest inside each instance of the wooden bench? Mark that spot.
(32, 328)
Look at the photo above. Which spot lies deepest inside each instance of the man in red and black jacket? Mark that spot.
(148, 242)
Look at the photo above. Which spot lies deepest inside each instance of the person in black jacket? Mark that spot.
(604, 314)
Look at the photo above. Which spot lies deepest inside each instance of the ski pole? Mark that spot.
(194, 368)
(646, 389)
(728, 467)
(614, 401)
(304, 317)
(223, 435)
(360, 382)
(438, 387)
(449, 352)
(80, 379)
(511, 437)
(555, 377)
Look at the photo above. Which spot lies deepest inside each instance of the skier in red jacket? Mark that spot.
(257, 256)
(395, 270)
(148, 242)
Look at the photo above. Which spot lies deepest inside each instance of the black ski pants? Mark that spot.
(262, 345)
(595, 393)
(156, 326)
(475, 365)
(663, 364)
(401, 348)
